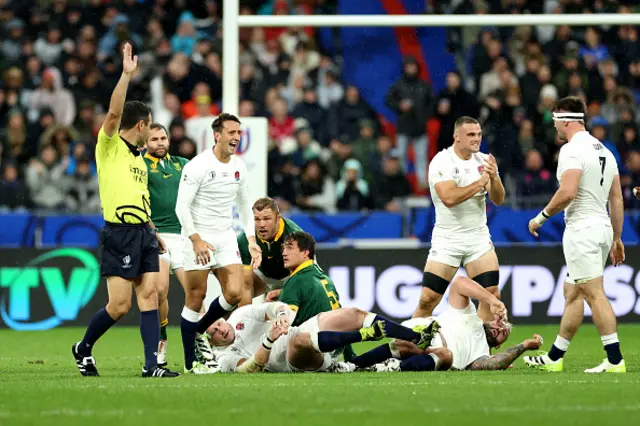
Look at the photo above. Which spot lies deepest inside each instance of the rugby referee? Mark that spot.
(128, 241)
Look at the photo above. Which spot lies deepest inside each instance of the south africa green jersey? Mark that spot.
(164, 179)
(272, 265)
(309, 291)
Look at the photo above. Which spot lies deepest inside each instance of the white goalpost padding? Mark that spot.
(232, 22)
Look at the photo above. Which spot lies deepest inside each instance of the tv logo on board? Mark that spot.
(68, 276)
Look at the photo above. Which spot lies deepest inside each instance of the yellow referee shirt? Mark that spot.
(122, 175)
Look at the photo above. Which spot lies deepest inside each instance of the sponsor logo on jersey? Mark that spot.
(212, 174)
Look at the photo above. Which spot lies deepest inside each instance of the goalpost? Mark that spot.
(232, 21)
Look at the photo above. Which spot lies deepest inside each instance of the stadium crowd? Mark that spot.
(328, 150)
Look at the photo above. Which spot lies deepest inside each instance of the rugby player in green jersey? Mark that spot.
(164, 173)
(271, 230)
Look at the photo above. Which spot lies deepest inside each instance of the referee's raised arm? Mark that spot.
(116, 106)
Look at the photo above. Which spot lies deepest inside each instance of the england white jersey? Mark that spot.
(250, 325)
(599, 167)
(208, 190)
(463, 333)
(469, 216)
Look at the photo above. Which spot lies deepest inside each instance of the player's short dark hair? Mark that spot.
(570, 104)
(155, 126)
(218, 123)
(465, 119)
(133, 113)
(305, 241)
(266, 203)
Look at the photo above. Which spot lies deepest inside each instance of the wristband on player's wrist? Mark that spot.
(542, 217)
(267, 343)
(282, 313)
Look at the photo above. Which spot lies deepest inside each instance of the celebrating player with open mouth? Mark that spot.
(589, 181)
(211, 183)
(460, 177)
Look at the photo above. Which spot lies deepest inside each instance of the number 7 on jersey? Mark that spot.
(603, 164)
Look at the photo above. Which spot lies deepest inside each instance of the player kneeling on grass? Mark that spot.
(272, 230)
(462, 340)
(259, 338)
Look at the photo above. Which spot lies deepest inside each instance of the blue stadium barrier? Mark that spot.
(78, 231)
(332, 228)
(507, 226)
(17, 229)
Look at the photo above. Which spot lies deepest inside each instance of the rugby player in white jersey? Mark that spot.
(460, 177)
(211, 183)
(258, 338)
(462, 341)
(589, 181)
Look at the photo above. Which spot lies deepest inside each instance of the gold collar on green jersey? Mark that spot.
(154, 159)
(278, 234)
(300, 267)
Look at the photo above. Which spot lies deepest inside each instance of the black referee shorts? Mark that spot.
(128, 251)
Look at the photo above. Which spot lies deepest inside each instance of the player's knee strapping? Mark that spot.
(434, 282)
(488, 279)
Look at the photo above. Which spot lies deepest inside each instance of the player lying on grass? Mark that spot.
(462, 340)
(259, 338)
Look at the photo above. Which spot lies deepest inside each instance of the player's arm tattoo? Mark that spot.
(499, 361)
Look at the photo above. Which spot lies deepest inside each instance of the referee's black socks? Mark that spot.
(99, 324)
(150, 332)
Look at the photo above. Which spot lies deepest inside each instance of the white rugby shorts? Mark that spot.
(278, 362)
(174, 255)
(586, 251)
(271, 283)
(226, 251)
(458, 251)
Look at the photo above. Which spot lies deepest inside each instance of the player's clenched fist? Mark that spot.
(533, 343)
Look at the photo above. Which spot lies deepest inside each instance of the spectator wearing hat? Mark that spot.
(412, 100)
(352, 190)
(184, 41)
(391, 186)
(11, 47)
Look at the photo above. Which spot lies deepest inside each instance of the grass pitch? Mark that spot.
(40, 385)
